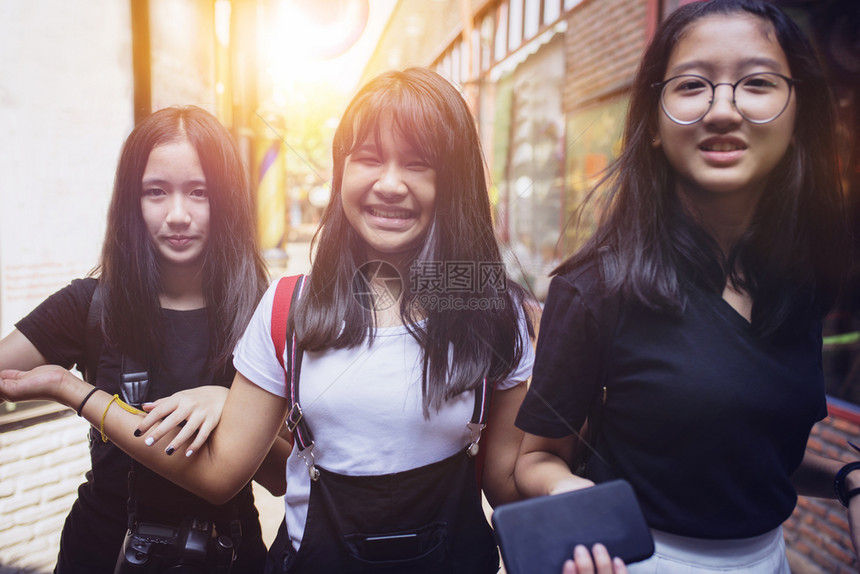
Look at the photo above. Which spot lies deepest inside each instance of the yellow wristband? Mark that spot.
(104, 414)
(124, 406)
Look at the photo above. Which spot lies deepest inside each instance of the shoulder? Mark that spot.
(71, 299)
(584, 281)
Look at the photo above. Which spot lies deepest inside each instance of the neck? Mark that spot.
(724, 216)
(182, 288)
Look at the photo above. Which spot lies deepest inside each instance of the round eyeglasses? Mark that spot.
(760, 98)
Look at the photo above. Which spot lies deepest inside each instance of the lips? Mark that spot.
(723, 150)
(722, 147)
(179, 240)
(390, 213)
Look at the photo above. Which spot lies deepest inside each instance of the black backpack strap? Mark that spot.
(134, 378)
(607, 262)
(94, 337)
(608, 323)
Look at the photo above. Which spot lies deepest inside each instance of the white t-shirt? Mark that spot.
(363, 406)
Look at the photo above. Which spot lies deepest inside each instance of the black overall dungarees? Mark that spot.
(427, 520)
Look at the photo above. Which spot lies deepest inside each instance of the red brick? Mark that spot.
(814, 444)
(838, 553)
(848, 427)
(828, 434)
(839, 520)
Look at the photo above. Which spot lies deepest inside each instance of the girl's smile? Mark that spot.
(388, 194)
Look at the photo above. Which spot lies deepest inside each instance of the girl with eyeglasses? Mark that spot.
(691, 320)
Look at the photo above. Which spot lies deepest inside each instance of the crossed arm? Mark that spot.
(255, 416)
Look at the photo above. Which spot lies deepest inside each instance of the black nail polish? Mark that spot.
(137, 432)
(170, 450)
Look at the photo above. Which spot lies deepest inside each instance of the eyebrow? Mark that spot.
(366, 146)
(709, 66)
(158, 181)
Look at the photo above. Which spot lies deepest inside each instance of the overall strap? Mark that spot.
(480, 414)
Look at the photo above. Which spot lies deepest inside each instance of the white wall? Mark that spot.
(66, 106)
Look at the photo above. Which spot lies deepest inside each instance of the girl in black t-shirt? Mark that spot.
(693, 314)
(179, 278)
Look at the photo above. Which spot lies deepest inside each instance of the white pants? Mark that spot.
(764, 554)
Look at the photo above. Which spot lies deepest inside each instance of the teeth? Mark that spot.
(722, 147)
(398, 214)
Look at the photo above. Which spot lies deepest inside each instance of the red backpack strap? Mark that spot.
(284, 293)
(281, 312)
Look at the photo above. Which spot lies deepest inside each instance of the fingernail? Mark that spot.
(149, 441)
(189, 452)
(138, 432)
(581, 550)
(170, 450)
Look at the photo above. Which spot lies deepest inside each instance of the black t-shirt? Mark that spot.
(706, 420)
(98, 520)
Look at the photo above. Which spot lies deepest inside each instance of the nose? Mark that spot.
(177, 212)
(723, 108)
(390, 183)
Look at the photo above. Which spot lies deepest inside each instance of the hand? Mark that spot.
(569, 484)
(47, 382)
(196, 410)
(852, 481)
(582, 562)
(854, 523)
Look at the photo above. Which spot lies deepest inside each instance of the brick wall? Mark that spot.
(41, 467)
(603, 44)
(816, 535)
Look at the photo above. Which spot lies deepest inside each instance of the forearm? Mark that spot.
(223, 465)
(542, 473)
(272, 473)
(501, 442)
(815, 476)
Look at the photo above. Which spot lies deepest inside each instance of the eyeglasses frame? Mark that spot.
(661, 85)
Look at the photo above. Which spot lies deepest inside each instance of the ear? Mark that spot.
(655, 141)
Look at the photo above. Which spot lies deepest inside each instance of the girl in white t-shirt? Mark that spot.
(405, 322)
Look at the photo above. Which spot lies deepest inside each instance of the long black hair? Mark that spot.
(480, 325)
(791, 259)
(234, 274)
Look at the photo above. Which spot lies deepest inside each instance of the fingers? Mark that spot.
(197, 411)
(597, 561)
(163, 419)
(201, 437)
(582, 559)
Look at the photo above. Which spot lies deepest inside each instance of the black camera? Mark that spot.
(194, 547)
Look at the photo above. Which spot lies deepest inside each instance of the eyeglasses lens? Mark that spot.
(759, 98)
